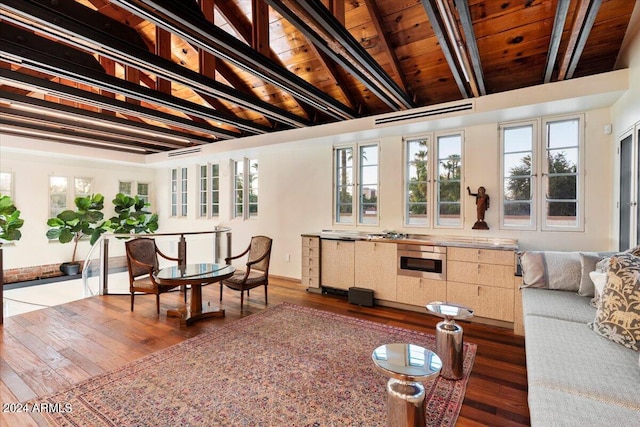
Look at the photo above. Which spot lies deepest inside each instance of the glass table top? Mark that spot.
(195, 271)
(449, 311)
(407, 362)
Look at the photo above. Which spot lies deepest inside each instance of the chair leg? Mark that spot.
(221, 286)
(158, 304)
(131, 301)
(265, 295)
(241, 299)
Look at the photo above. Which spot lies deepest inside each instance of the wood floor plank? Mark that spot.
(45, 351)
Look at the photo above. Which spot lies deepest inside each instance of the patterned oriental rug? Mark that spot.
(285, 366)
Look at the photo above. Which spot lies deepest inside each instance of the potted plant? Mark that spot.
(10, 221)
(132, 216)
(72, 226)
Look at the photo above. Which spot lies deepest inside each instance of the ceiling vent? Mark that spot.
(430, 113)
(184, 152)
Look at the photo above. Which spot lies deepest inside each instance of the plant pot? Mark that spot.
(70, 268)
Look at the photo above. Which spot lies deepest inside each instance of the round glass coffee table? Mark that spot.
(449, 343)
(408, 366)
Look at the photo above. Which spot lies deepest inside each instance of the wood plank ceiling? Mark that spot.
(147, 76)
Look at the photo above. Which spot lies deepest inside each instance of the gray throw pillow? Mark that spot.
(589, 262)
(551, 270)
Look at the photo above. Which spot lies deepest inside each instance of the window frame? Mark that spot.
(429, 181)
(179, 185)
(205, 200)
(69, 196)
(357, 189)
(241, 206)
(535, 131)
(539, 173)
(436, 180)
(580, 172)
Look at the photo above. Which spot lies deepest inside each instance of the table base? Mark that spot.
(188, 317)
(405, 404)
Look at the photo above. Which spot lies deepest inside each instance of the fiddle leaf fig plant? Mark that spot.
(132, 216)
(10, 221)
(86, 220)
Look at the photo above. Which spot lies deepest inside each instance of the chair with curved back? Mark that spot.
(142, 263)
(256, 272)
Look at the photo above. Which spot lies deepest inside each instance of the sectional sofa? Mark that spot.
(581, 314)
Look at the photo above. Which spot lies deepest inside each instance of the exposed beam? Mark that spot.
(178, 18)
(21, 52)
(117, 125)
(239, 22)
(376, 18)
(72, 30)
(260, 28)
(583, 21)
(556, 35)
(438, 25)
(36, 84)
(339, 45)
(476, 74)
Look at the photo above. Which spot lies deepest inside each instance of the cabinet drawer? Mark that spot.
(311, 242)
(419, 291)
(311, 271)
(310, 282)
(486, 256)
(480, 274)
(310, 262)
(486, 301)
(310, 251)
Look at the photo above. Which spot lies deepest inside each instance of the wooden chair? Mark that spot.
(142, 262)
(257, 270)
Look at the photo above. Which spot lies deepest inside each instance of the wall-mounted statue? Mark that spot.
(482, 204)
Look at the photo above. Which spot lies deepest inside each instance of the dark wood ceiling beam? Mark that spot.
(163, 50)
(377, 20)
(338, 10)
(438, 26)
(260, 27)
(477, 76)
(336, 41)
(583, 20)
(181, 20)
(76, 33)
(89, 98)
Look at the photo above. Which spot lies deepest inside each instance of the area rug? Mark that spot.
(285, 366)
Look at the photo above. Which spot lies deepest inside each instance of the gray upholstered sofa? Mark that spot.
(576, 376)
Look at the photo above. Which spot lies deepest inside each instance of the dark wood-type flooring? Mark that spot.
(48, 350)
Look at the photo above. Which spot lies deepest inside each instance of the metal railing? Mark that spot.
(98, 259)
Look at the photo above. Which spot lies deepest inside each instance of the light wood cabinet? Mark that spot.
(337, 263)
(420, 291)
(375, 268)
(482, 279)
(311, 262)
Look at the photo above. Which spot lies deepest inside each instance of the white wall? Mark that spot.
(295, 180)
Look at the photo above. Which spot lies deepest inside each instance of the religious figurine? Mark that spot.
(482, 204)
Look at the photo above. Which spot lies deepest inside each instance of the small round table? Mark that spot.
(407, 365)
(449, 344)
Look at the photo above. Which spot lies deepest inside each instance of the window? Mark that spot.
(142, 190)
(125, 187)
(209, 191)
(449, 180)
(367, 183)
(179, 199)
(245, 189)
(546, 186)
(6, 184)
(60, 198)
(417, 182)
(518, 180)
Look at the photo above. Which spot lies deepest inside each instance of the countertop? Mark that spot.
(421, 239)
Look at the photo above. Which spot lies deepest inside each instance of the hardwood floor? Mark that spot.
(47, 350)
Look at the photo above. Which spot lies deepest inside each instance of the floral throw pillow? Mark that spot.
(618, 315)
